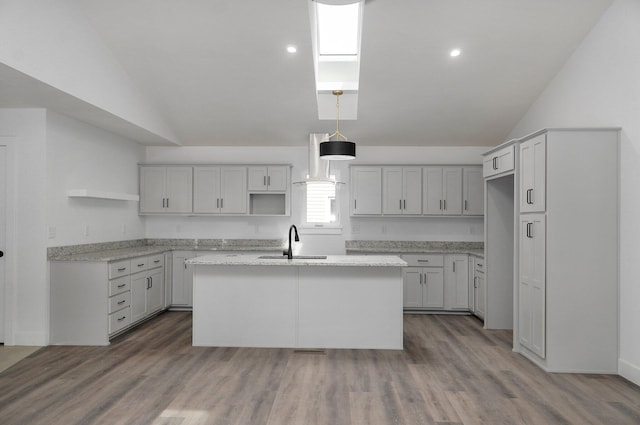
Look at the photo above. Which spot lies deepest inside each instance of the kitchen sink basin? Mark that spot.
(295, 257)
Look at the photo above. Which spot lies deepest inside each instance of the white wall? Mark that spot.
(600, 86)
(438, 229)
(80, 156)
(27, 313)
(52, 40)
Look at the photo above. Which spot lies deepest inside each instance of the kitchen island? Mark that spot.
(244, 300)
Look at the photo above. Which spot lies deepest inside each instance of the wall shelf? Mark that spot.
(98, 194)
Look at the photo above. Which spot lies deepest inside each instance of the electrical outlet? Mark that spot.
(86, 230)
(124, 229)
(52, 232)
(355, 229)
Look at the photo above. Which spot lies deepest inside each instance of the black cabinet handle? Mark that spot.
(1, 254)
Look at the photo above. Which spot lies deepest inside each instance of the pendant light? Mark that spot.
(337, 149)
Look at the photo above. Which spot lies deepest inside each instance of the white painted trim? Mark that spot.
(10, 259)
(629, 371)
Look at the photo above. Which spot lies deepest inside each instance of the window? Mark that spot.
(322, 206)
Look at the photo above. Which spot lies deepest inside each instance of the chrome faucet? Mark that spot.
(289, 252)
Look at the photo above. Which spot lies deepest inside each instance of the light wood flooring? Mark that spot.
(450, 372)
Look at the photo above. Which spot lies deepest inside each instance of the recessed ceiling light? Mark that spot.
(291, 49)
(455, 53)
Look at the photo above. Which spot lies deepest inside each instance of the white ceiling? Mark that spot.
(219, 73)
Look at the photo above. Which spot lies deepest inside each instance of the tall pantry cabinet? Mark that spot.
(567, 279)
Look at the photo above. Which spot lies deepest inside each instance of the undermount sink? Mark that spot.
(295, 257)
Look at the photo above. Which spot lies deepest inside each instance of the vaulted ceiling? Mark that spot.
(218, 71)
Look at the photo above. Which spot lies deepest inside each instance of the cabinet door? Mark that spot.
(257, 178)
(366, 190)
(179, 190)
(277, 178)
(532, 283)
(139, 283)
(412, 280)
(182, 290)
(479, 294)
(412, 190)
(456, 282)
(533, 174)
(392, 193)
(155, 290)
(432, 190)
(433, 292)
(472, 191)
(452, 190)
(233, 190)
(168, 279)
(152, 193)
(206, 190)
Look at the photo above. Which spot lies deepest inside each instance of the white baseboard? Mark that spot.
(629, 371)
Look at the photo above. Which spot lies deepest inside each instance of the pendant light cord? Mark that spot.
(337, 93)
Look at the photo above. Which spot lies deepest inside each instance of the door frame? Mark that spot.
(9, 144)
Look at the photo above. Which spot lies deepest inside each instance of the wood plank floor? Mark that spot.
(451, 372)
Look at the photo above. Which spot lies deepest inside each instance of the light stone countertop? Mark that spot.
(414, 247)
(122, 250)
(331, 260)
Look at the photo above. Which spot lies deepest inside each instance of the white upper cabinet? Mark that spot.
(472, 191)
(220, 190)
(366, 190)
(498, 162)
(402, 190)
(533, 174)
(268, 178)
(442, 190)
(166, 189)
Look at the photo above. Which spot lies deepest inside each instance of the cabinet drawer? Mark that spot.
(427, 260)
(139, 264)
(119, 268)
(119, 320)
(119, 285)
(120, 301)
(155, 261)
(499, 161)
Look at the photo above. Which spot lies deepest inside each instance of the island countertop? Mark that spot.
(330, 260)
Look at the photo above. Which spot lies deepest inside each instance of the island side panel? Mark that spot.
(244, 306)
(350, 307)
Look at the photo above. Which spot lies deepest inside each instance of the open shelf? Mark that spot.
(267, 204)
(98, 194)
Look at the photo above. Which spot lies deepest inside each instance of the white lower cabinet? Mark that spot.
(182, 280)
(477, 286)
(456, 282)
(146, 293)
(91, 302)
(436, 282)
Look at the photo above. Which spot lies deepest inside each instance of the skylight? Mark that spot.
(338, 29)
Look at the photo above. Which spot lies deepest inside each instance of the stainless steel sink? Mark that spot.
(295, 257)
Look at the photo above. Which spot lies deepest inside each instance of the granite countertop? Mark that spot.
(114, 251)
(330, 260)
(415, 247)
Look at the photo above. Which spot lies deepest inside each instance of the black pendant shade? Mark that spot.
(337, 150)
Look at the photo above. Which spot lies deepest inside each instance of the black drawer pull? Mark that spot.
(122, 302)
(122, 286)
(140, 265)
(122, 318)
(122, 269)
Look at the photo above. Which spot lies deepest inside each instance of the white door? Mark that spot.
(392, 190)
(412, 278)
(3, 185)
(432, 190)
(433, 295)
(152, 193)
(412, 187)
(366, 190)
(206, 189)
(533, 174)
(452, 190)
(473, 191)
(233, 190)
(179, 189)
(277, 178)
